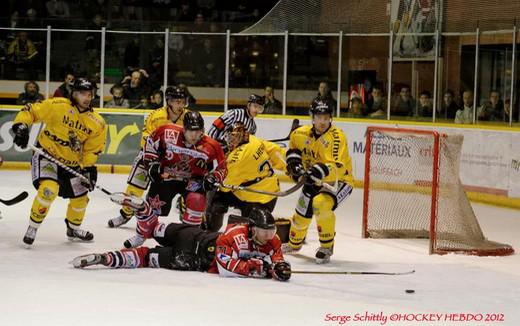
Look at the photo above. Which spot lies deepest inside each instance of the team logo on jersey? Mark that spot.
(193, 186)
(156, 203)
(42, 210)
(325, 143)
(241, 241)
(74, 142)
(223, 257)
(171, 135)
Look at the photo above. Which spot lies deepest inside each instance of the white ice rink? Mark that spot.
(39, 287)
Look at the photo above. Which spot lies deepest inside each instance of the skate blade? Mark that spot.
(74, 239)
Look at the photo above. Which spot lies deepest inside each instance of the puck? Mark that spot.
(409, 291)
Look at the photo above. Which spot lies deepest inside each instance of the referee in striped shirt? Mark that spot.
(255, 106)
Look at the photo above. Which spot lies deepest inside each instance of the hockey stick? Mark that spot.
(277, 194)
(119, 198)
(15, 200)
(295, 124)
(66, 168)
(352, 273)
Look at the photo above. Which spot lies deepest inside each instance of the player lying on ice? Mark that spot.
(243, 250)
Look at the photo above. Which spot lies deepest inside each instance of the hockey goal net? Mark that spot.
(412, 190)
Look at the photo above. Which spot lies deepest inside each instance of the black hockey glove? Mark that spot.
(154, 172)
(21, 134)
(91, 174)
(317, 171)
(294, 164)
(281, 271)
(210, 182)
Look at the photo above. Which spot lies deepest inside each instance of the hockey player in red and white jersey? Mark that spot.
(179, 161)
(252, 249)
(243, 250)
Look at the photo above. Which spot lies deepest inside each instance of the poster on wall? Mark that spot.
(409, 17)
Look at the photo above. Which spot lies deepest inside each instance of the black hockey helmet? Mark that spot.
(193, 121)
(254, 98)
(261, 218)
(83, 84)
(175, 93)
(320, 106)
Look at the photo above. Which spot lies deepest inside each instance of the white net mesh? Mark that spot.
(400, 193)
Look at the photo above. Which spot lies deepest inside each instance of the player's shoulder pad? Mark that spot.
(158, 114)
(336, 131)
(170, 125)
(97, 118)
(302, 131)
(210, 141)
(58, 101)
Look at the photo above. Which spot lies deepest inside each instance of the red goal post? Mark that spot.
(412, 190)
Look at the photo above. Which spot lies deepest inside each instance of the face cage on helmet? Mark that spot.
(234, 138)
(262, 236)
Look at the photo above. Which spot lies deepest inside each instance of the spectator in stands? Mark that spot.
(185, 13)
(378, 105)
(57, 9)
(31, 94)
(92, 8)
(136, 87)
(93, 40)
(118, 100)
(156, 100)
(493, 109)
(66, 87)
(507, 111)
(404, 104)
(325, 94)
(272, 105)
(143, 103)
(465, 114)
(357, 108)
(191, 101)
(425, 106)
(449, 107)
(32, 21)
(21, 53)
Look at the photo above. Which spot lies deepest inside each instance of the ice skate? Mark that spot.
(323, 255)
(30, 235)
(89, 260)
(287, 249)
(75, 233)
(132, 202)
(134, 242)
(119, 220)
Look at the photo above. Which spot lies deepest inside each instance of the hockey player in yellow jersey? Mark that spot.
(74, 135)
(318, 153)
(251, 162)
(138, 181)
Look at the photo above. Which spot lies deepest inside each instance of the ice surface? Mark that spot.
(39, 287)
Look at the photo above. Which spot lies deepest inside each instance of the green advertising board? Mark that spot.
(124, 130)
